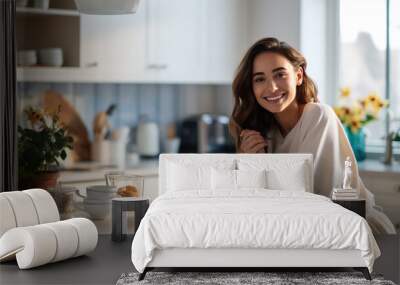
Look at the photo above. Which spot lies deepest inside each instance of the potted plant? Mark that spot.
(355, 114)
(41, 146)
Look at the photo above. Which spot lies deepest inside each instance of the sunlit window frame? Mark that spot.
(333, 24)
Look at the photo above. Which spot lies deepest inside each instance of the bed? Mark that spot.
(245, 211)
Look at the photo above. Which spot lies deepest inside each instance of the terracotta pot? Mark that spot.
(42, 179)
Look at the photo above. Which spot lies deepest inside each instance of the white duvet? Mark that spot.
(252, 218)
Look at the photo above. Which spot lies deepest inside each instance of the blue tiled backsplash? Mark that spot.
(163, 104)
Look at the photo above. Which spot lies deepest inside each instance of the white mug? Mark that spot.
(101, 151)
(172, 145)
(118, 150)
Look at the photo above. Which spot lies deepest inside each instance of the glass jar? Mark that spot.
(128, 185)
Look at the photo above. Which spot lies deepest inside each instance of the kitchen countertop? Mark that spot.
(375, 166)
(91, 171)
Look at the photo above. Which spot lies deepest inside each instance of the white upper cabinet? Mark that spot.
(174, 41)
(112, 47)
(157, 44)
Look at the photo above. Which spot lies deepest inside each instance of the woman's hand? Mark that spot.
(252, 142)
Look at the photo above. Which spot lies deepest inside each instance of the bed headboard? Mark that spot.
(205, 159)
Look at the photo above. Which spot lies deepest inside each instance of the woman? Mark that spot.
(276, 110)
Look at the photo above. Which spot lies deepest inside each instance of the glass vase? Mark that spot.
(357, 141)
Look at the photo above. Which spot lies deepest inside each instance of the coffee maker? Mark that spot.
(205, 133)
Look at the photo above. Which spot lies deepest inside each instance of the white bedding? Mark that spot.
(251, 218)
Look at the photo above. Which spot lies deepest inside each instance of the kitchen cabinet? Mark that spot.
(173, 50)
(112, 47)
(158, 44)
(89, 43)
(386, 188)
(195, 41)
(176, 41)
(58, 26)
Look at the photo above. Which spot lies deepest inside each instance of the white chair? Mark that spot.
(31, 230)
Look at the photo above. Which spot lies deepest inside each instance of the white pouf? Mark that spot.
(7, 216)
(45, 205)
(31, 233)
(23, 208)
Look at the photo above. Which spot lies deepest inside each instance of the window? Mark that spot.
(394, 36)
(363, 59)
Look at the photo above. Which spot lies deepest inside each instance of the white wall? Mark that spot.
(318, 42)
(313, 43)
(271, 18)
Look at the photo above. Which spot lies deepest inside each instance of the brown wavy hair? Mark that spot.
(247, 113)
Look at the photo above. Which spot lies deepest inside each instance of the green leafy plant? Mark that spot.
(43, 143)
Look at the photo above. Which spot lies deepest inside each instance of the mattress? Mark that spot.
(250, 219)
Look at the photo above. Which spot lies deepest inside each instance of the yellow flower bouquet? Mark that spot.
(354, 114)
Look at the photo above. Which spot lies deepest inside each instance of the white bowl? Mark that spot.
(51, 57)
(26, 57)
(97, 210)
(100, 192)
(41, 4)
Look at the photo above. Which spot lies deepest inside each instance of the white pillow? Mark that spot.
(293, 180)
(251, 178)
(281, 174)
(184, 177)
(226, 179)
(223, 179)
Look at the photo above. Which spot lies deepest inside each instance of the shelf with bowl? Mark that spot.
(53, 33)
(54, 74)
(50, 11)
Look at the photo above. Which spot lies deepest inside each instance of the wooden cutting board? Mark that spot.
(73, 122)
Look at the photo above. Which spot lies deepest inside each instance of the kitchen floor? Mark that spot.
(111, 259)
(102, 266)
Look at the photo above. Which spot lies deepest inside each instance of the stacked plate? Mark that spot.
(51, 57)
(98, 200)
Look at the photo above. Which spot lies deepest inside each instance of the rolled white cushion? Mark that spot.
(37, 245)
(67, 240)
(45, 205)
(7, 218)
(33, 246)
(23, 208)
(87, 235)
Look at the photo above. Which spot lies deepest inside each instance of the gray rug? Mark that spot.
(230, 278)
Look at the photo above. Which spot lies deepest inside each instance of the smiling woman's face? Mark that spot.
(274, 81)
